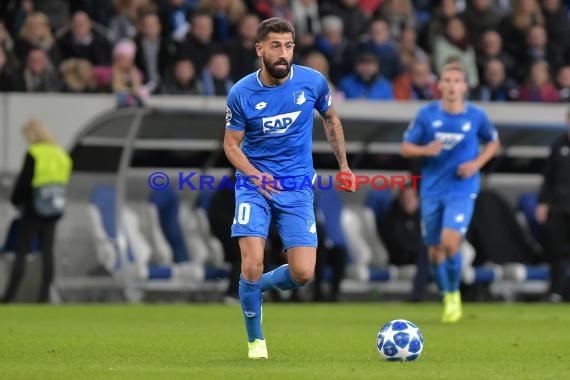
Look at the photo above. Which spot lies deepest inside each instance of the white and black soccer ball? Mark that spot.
(399, 340)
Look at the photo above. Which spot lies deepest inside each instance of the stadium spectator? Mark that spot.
(100, 11)
(181, 79)
(446, 10)
(455, 43)
(317, 61)
(400, 229)
(78, 76)
(241, 49)
(495, 85)
(556, 23)
(153, 51)
(57, 11)
(126, 79)
(418, 83)
(553, 210)
(226, 15)
(479, 17)
(199, 45)
(539, 87)
(386, 50)
(307, 23)
(6, 41)
(273, 8)
(515, 26)
(491, 47)
(6, 76)
(335, 47)
(174, 19)
(399, 15)
(538, 49)
(215, 78)
(81, 41)
(563, 83)
(353, 18)
(366, 82)
(38, 75)
(410, 52)
(39, 195)
(36, 34)
(124, 24)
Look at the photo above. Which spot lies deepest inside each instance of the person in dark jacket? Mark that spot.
(39, 194)
(554, 211)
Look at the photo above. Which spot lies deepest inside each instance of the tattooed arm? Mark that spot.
(335, 136)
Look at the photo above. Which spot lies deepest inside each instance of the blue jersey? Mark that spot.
(278, 121)
(461, 135)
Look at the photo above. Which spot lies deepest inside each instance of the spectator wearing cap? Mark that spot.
(366, 82)
(126, 79)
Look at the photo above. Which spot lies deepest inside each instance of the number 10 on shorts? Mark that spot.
(244, 209)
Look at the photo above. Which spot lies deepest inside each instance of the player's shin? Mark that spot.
(279, 278)
(439, 274)
(453, 265)
(250, 299)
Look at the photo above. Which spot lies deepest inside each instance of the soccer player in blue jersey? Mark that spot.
(269, 126)
(447, 134)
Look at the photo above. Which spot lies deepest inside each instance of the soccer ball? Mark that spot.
(399, 340)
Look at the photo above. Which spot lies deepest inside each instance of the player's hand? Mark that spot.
(433, 148)
(349, 176)
(468, 169)
(266, 184)
(541, 213)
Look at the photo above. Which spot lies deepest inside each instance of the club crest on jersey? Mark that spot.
(449, 140)
(466, 127)
(279, 124)
(299, 97)
(311, 226)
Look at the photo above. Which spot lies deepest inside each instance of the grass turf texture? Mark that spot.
(305, 341)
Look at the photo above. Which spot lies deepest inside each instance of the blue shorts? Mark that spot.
(293, 212)
(438, 213)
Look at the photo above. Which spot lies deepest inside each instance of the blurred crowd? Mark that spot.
(512, 50)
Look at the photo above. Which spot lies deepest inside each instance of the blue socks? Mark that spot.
(453, 265)
(279, 278)
(439, 274)
(250, 299)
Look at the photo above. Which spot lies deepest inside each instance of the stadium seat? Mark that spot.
(125, 251)
(379, 201)
(526, 205)
(168, 206)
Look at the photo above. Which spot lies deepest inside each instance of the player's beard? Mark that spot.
(275, 72)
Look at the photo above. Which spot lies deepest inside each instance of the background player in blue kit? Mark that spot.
(447, 134)
(269, 127)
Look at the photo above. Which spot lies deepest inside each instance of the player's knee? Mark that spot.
(450, 247)
(252, 270)
(302, 275)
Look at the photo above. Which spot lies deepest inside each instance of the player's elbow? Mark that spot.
(405, 150)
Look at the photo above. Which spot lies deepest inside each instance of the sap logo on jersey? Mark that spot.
(279, 124)
(449, 140)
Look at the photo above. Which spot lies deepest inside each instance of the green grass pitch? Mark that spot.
(305, 341)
